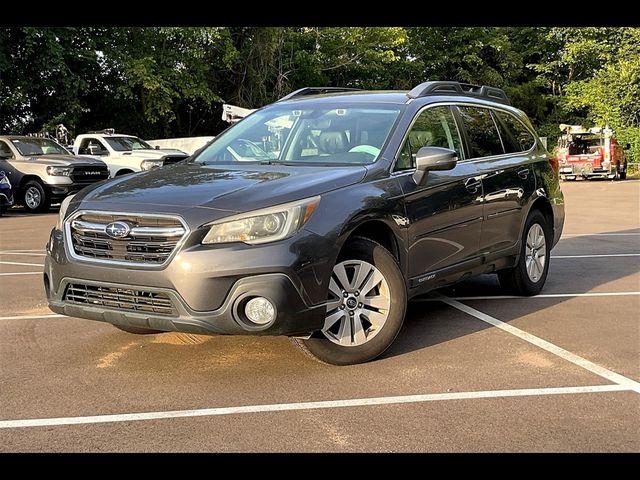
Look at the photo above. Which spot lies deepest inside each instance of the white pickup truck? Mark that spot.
(124, 153)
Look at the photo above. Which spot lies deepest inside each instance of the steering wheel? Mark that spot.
(370, 149)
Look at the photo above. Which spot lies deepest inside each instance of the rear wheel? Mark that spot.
(137, 330)
(35, 197)
(366, 306)
(529, 275)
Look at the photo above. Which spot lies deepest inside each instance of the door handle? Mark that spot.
(524, 173)
(472, 185)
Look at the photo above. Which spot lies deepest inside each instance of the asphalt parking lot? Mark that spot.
(471, 370)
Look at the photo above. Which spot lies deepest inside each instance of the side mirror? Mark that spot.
(433, 158)
(157, 147)
(627, 146)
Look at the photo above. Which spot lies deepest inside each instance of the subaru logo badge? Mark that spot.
(118, 229)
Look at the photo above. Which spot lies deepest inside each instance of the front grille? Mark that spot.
(151, 239)
(117, 298)
(171, 159)
(89, 174)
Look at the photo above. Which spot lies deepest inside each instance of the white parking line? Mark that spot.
(8, 274)
(632, 234)
(542, 295)
(548, 346)
(21, 263)
(598, 256)
(33, 317)
(287, 407)
(24, 254)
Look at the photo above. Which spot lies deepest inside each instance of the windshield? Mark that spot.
(313, 136)
(126, 144)
(32, 147)
(584, 145)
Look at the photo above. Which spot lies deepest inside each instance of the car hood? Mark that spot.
(66, 161)
(229, 188)
(154, 153)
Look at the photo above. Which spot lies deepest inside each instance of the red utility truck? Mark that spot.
(590, 153)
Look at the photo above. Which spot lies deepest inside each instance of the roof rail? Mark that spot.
(442, 87)
(316, 91)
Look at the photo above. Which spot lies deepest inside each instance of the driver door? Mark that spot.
(445, 210)
(7, 157)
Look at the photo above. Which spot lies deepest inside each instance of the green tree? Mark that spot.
(46, 76)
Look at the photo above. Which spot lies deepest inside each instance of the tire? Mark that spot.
(521, 280)
(623, 173)
(137, 330)
(3, 208)
(376, 321)
(35, 197)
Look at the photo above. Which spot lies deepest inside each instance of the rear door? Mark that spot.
(445, 210)
(503, 149)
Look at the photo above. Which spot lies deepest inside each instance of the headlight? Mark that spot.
(63, 211)
(149, 164)
(59, 171)
(262, 226)
(4, 179)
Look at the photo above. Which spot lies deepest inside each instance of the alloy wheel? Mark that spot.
(32, 198)
(359, 303)
(535, 252)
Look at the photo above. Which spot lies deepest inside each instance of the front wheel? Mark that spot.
(528, 277)
(35, 197)
(366, 306)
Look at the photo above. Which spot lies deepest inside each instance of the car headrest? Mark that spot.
(333, 142)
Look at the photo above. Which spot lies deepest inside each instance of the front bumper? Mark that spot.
(60, 191)
(293, 316)
(207, 287)
(584, 170)
(6, 198)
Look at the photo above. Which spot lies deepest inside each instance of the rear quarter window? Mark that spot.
(515, 136)
(482, 133)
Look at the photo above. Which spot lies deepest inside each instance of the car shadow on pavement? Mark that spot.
(423, 327)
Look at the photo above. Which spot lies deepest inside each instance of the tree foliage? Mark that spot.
(161, 82)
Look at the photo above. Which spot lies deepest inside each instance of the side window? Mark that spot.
(515, 135)
(435, 127)
(484, 140)
(88, 144)
(5, 151)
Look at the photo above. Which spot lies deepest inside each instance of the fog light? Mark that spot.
(260, 310)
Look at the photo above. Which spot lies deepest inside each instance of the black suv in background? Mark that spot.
(316, 217)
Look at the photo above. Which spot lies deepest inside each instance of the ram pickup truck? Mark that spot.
(42, 172)
(124, 154)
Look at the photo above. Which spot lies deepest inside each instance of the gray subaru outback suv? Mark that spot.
(317, 217)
